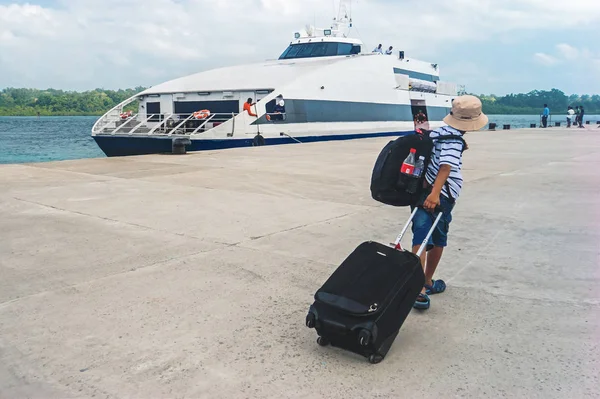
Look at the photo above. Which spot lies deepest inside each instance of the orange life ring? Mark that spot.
(202, 114)
(125, 115)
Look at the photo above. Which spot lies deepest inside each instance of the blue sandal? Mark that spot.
(420, 304)
(437, 287)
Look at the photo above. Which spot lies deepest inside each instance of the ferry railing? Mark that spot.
(176, 128)
(168, 124)
(112, 116)
(143, 123)
(182, 122)
(210, 118)
(125, 123)
(155, 128)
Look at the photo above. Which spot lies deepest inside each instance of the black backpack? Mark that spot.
(391, 187)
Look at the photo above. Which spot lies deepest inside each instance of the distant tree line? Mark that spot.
(533, 102)
(31, 102)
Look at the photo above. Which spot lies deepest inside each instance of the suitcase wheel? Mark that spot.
(311, 320)
(323, 341)
(375, 359)
(364, 337)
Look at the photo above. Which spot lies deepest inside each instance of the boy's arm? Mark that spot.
(450, 156)
(433, 200)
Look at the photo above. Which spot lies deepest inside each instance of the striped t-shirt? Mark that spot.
(446, 152)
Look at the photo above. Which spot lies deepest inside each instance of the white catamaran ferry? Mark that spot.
(324, 86)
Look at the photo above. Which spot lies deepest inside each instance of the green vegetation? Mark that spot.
(533, 102)
(30, 102)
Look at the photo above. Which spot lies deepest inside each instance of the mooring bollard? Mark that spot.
(493, 126)
(533, 125)
(557, 124)
(178, 145)
(506, 127)
(598, 122)
(587, 122)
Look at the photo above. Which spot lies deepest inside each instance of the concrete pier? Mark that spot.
(190, 276)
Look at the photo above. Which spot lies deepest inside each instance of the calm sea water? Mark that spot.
(57, 138)
(52, 138)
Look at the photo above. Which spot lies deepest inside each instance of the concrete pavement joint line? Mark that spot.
(120, 221)
(536, 166)
(489, 244)
(282, 253)
(113, 177)
(226, 245)
(276, 195)
(570, 302)
(155, 264)
(107, 177)
(300, 227)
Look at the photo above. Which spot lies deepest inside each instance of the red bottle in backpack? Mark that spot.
(408, 166)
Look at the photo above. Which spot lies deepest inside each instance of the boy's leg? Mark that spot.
(440, 241)
(433, 260)
(422, 223)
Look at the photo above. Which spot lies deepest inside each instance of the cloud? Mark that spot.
(568, 52)
(545, 59)
(82, 44)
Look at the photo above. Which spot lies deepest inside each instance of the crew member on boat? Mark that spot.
(278, 110)
(279, 107)
(248, 107)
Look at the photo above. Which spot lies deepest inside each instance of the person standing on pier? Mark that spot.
(444, 182)
(581, 115)
(545, 115)
(570, 114)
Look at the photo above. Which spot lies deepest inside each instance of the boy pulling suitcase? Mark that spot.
(365, 302)
(443, 181)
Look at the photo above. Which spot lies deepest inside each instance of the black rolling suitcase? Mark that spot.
(364, 303)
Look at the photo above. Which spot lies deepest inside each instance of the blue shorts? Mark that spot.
(424, 220)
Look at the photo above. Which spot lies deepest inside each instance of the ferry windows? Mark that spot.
(344, 48)
(153, 111)
(306, 50)
(292, 51)
(319, 49)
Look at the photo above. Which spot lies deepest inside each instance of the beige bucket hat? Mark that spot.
(466, 114)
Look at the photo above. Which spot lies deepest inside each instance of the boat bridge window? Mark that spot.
(319, 49)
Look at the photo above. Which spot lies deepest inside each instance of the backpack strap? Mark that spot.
(465, 146)
(452, 137)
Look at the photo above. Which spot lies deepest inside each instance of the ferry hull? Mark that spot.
(116, 146)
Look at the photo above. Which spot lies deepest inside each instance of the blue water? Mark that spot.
(49, 138)
(57, 138)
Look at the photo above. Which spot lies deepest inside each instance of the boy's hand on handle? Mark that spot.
(432, 202)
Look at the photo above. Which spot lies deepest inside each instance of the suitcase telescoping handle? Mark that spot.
(405, 229)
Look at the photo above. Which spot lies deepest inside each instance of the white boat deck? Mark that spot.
(190, 276)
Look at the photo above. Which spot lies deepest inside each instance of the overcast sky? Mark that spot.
(490, 46)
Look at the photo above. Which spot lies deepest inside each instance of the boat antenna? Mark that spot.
(344, 17)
